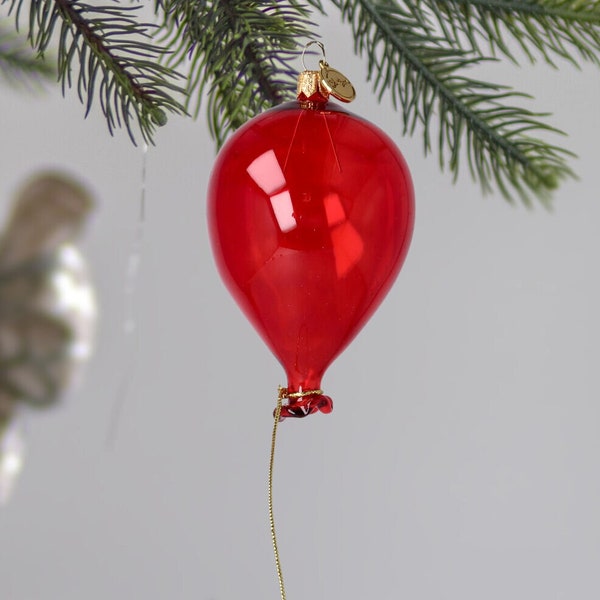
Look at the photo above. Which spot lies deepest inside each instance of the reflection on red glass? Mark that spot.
(333, 209)
(347, 248)
(265, 171)
(310, 214)
(283, 210)
(346, 243)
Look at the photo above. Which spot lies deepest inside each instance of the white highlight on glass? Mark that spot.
(284, 211)
(12, 452)
(71, 296)
(266, 172)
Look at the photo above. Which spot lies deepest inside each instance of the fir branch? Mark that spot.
(569, 29)
(241, 54)
(107, 43)
(19, 66)
(424, 75)
(241, 57)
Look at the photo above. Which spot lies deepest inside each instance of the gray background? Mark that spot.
(462, 460)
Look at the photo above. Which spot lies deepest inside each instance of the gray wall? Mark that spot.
(461, 461)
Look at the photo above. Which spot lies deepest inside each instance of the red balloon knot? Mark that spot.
(304, 403)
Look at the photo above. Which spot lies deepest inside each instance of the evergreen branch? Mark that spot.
(422, 73)
(107, 43)
(547, 27)
(239, 55)
(18, 64)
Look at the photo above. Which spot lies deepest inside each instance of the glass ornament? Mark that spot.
(48, 316)
(311, 213)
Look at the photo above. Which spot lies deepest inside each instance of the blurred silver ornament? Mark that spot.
(12, 453)
(47, 306)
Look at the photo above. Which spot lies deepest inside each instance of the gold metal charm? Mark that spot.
(337, 84)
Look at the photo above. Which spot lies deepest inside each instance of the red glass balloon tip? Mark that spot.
(304, 404)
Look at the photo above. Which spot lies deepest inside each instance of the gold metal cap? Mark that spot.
(310, 88)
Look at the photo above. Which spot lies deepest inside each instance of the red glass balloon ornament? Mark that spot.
(310, 212)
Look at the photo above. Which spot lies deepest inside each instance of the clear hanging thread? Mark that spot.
(130, 326)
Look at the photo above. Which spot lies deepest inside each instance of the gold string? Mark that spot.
(282, 393)
(280, 397)
(287, 394)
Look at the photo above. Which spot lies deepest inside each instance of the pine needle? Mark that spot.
(19, 66)
(237, 58)
(108, 56)
(241, 55)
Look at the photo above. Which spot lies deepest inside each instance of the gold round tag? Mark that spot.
(337, 84)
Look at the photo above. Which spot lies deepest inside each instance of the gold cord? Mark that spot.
(282, 393)
(280, 397)
(285, 394)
